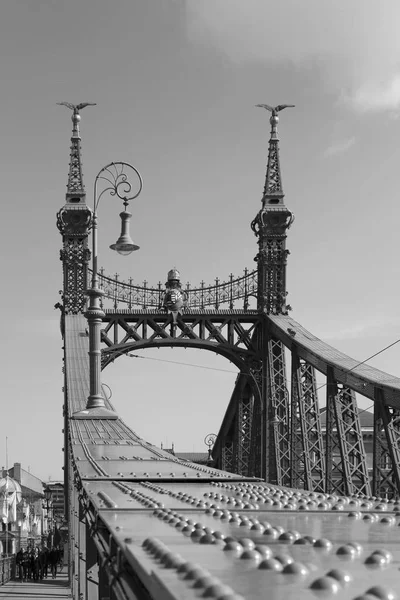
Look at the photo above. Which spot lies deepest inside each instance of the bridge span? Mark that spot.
(284, 511)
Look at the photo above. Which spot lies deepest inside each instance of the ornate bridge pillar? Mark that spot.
(270, 226)
(73, 222)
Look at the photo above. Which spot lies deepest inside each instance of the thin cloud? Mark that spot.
(354, 46)
(340, 147)
(376, 97)
(359, 330)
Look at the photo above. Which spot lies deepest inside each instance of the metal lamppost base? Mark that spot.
(98, 412)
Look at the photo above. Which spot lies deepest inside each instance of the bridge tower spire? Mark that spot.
(270, 226)
(73, 222)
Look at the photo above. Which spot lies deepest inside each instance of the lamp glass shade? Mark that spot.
(124, 244)
(48, 494)
(124, 249)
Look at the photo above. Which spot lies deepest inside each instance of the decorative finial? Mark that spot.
(273, 183)
(75, 187)
(75, 114)
(274, 120)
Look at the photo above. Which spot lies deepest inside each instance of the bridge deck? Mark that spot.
(47, 589)
(186, 531)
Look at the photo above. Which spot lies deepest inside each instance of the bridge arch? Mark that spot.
(177, 389)
(238, 358)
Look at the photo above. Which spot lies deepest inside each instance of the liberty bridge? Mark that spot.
(287, 508)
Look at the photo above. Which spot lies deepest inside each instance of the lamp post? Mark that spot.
(115, 176)
(48, 507)
(209, 441)
(19, 534)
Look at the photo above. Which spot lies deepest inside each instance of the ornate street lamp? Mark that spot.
(114, 178)
(209, 441)
(47, 506)
(48, 494)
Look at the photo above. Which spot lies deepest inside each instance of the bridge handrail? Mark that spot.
(226, 292)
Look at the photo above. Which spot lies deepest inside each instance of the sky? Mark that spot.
(176, 83)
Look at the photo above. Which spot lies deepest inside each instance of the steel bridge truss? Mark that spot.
(346, 465)
(277, 391)
(386, 465)
(230, 333)
(270, 432)
(323, 457)
(236, 440)
(307, 452)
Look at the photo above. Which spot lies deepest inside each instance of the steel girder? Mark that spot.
(307, 451)
(238, 445)
(256, 441)
(227, 459)
(278, 398)
(229, 333)
(243, 435)
(386, 451)
(346, 465)
(224, 451)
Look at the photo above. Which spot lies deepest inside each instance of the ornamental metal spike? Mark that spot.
(273, 181)
(75, 187)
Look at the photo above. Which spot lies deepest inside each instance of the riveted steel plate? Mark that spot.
(310, 563)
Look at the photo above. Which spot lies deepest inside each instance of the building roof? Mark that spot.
(366, 418)
(30, 484)
(196, 457)
(9, 484)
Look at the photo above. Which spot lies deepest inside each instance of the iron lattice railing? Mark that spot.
(211, 296)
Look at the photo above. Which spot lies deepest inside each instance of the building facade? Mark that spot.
(29, 524)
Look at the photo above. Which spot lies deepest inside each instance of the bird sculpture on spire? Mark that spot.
(76, 107)
(275, 109)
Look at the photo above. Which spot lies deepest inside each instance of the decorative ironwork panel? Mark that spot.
(278, 398)
(306, 440)
(346, 465)
(123, 293)
(74, 224)
(75, 258)
(274, 260)
(273, 181)
(75, 175)
(386, 466)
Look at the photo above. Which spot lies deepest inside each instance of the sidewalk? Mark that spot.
(46, 589)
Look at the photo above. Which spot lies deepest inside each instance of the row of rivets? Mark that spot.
(192, 573)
